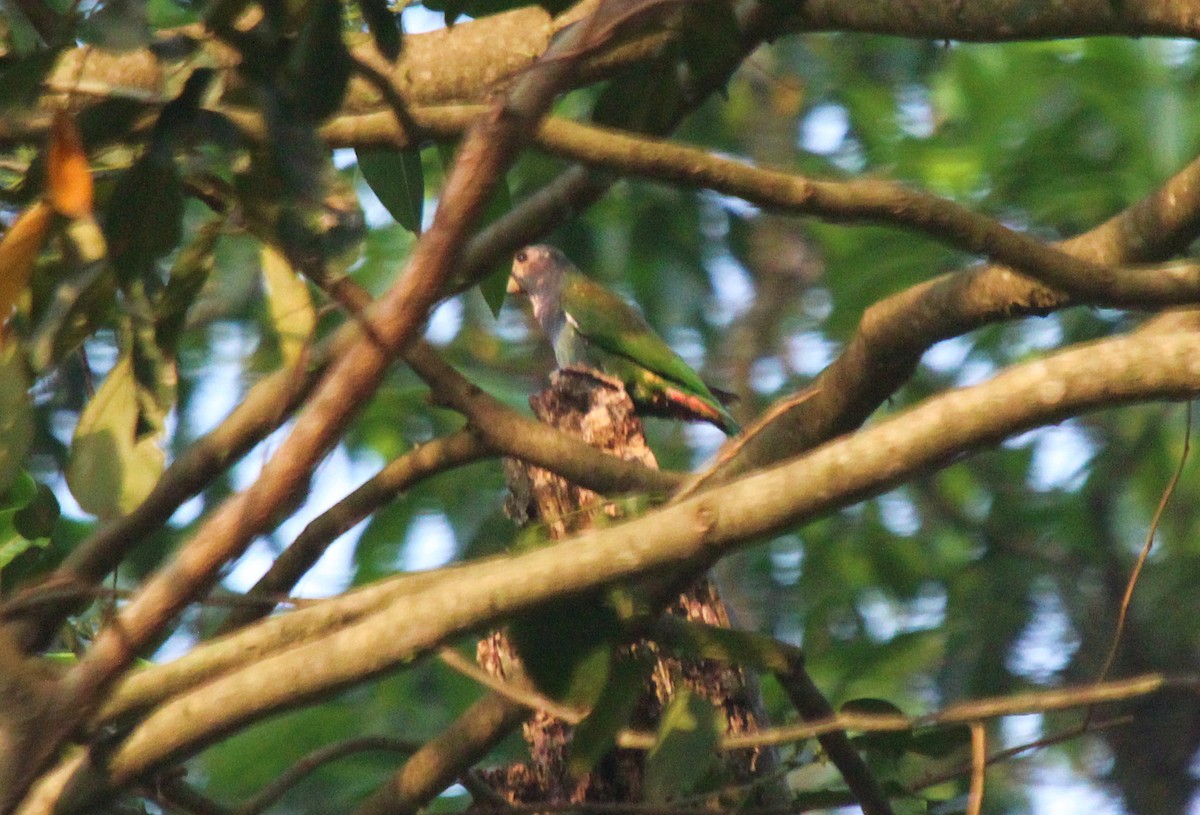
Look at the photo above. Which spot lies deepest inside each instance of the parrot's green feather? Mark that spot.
(592, 328)
(611, 325)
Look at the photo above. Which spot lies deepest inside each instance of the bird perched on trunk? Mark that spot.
(590, 327)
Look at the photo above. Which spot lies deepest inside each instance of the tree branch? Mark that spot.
(272, 792)
(432, 768)
(518, 436)
(860, 200)
(895, 332)
(436, 456)
(693, 532)
(490, 145)
(144, 688)
(998, 20)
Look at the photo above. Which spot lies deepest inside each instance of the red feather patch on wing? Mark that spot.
(690, 405)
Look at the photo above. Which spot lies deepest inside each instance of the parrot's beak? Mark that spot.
(513, 286)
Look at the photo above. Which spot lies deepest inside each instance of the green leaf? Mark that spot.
(940, 742)
(694, 640)
(647, 99)
(686, 747)
(397, 178)
(290, 304)
(171, 13)
(383, 25)
(76, 308)
(153, 368)
(709, 41)
(494, 286)
(21, 77)
(16, 412)
(567, 647)
(23, 492)
(892, 744)
(20, 492)
(113, 466)
(597, 734)
(188, 276)
(36, 519)
(867, 706)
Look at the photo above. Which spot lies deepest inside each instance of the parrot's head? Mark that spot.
(538, 271)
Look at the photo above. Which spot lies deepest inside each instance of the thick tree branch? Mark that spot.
(265, 407)
(438, 455)
(486, 150)
(518, 436)
(144, 688)
(464, 63)
(871, 200)
(432, 768)
(895, 332)
(998, 20)
(696, 531)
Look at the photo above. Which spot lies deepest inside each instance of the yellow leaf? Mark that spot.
(18, 250)
(68, 176)
(112, 469)
(292, 313)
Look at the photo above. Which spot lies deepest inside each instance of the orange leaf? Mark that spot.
(68, 176)
(18, 250)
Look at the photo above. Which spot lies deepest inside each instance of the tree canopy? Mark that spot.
(258, 379)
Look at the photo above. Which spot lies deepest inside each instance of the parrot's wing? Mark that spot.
(611, 324)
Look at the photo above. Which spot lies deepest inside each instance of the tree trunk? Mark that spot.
(599, 411)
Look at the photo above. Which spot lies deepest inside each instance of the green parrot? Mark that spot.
(591, 327)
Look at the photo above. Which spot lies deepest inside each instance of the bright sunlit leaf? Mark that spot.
(18, 250)
(290, 303)
(113, 466)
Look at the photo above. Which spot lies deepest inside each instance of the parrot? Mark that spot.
(590, 327)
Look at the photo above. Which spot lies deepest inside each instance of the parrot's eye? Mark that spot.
(521, 256)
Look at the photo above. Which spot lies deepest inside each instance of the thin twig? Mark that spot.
(275, 790)
(735, 445)
(812, 706)
(963, 712)
(433, 457)
(1127, 598)
(444, 758)
(527, 697)
(978, 768)
(934, 779)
